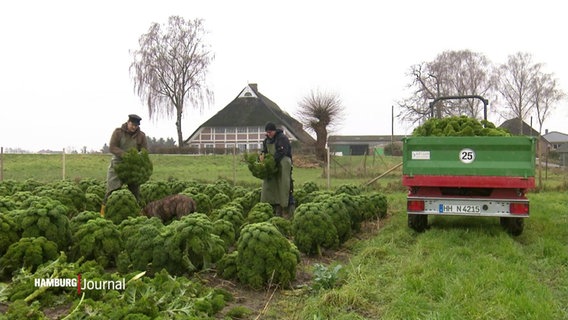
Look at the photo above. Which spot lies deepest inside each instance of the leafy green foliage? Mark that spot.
(351, 189)
(458, 126)
(27, 253)
(261, 169)
(65, 193)
(97, 239)
(224, 229)
(325, 278)
(233, 214)
(187, 245)
(154, 190)
(93, 202)
(81, 219)
(97, 189)
(249, 200)
(354, 207)
(21, 310)
(313, 229)
(310, 187)
(219, 200)
(48, 218)
(265, 256)
(139, 238)
(7, 204)
(121, 204)
(261, 212)
(135, 167)
(339, 214)
(8, 233)
(378, 205)
(283, 225)
(227, 266)
(202, 201)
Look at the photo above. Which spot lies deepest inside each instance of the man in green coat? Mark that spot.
(123, 139)
(278, 190)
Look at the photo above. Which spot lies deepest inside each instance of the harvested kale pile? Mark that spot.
(261, 169)
(135, 167)
(458, 126)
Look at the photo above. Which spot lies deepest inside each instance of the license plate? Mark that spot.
(459, 208)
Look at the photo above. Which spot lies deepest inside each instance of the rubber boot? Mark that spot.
(103, 207)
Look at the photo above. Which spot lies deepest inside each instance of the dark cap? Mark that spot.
(270, 127)
(135, 119)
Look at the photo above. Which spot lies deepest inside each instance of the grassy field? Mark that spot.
(343, 170)
(460, 268)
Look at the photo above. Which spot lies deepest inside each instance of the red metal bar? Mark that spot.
(468, 181)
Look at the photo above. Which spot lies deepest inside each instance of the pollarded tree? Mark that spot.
(320, 112)
(451, 73)
(170, 68)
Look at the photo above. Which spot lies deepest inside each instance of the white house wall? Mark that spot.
(245, 138)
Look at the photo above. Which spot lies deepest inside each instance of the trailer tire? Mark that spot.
(514, 226)
(418, 222)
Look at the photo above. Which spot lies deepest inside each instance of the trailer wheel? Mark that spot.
(418, 222)
(514, 226)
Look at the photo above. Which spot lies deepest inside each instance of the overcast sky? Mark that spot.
(64, 79)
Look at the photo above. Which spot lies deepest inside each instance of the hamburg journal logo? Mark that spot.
(81, 284)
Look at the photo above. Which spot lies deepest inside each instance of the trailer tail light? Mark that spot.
(519, 208)
(415, 205)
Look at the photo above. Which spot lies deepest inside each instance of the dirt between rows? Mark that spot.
(260, 301)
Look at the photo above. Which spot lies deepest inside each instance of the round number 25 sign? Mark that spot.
(467, 155)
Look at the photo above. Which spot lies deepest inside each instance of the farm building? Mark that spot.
(240, 125)
(360, 145)
(556, 139)
(515, 128)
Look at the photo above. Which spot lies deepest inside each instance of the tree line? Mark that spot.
(169, 70)
(518, 88)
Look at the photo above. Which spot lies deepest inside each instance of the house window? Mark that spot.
(255, 146)
(220, 130)
(230, 130)
(242, 129)
(242, 147)
(229, 146)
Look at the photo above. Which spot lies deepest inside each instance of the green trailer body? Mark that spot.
(482, 176)
(469, 156)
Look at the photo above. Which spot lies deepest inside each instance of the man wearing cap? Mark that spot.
(278, 190)
(123, 139)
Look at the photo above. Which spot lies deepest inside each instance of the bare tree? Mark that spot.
(320, 112)
(546, 95)
(170, 68)
(515, 81)
(452, 73)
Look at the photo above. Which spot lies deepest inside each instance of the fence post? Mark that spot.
(1, 163)
(328, 168)
(63, 169)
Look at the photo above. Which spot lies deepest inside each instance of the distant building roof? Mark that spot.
(514, 126)
(556, 137)
(252, 108)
